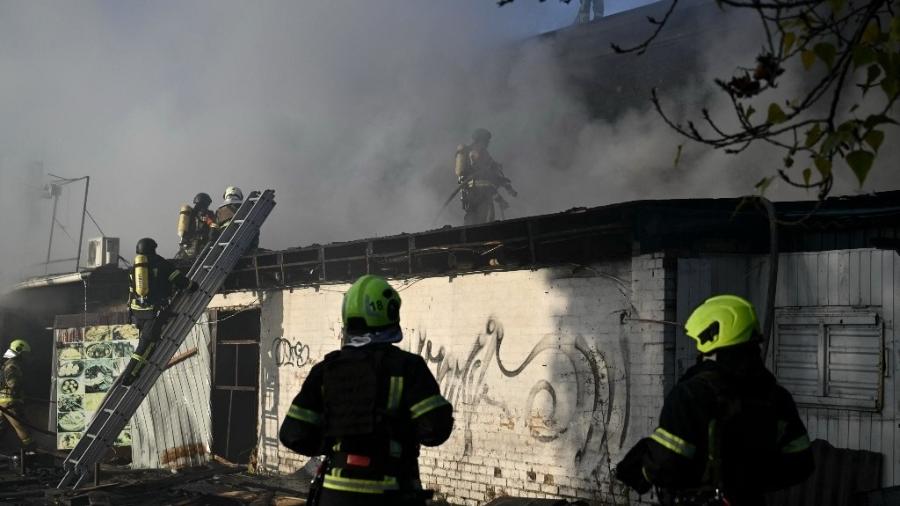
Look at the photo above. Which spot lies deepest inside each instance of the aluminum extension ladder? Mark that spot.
(210, 269)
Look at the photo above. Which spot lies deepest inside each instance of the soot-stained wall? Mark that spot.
(550, 378)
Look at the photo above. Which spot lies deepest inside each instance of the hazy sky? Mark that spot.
(350, 110)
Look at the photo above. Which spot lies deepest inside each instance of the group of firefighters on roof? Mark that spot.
(727, 433)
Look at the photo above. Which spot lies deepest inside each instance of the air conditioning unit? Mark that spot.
(102, 251)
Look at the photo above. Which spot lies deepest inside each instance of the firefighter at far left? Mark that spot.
(368, 407)
(12, 398)
(154, 280)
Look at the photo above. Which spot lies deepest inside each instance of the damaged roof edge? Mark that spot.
(55, 279)
(685, 227)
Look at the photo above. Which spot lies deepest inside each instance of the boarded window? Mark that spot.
(831, 357)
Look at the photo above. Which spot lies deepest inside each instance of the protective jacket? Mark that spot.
(224, 216)
(479, 168)
(728, 426)
(368, 409)
(165, 278)
(200, 230)
(11, 382)
(12, 400)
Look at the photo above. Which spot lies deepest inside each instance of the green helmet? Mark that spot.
(722, 321)
(19, 347)
(369, 305)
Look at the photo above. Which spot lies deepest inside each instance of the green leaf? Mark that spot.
(860, 162)
(863, 55)
(807, 175)
(808, 58)
(837, 5)
(787, 42)
(813, 135)
(776, 115)
(763, 184)
(872, 73)
(874, 139)
(827, 52)
(872, 33)
(878, 119)
(823, 165)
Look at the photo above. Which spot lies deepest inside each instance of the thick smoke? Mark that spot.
(351, 111)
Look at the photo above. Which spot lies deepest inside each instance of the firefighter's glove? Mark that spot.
(630, 470)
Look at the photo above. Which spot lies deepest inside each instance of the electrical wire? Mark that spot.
(95, 222)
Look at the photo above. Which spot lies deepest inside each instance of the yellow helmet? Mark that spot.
(19, 347)
(722, 321)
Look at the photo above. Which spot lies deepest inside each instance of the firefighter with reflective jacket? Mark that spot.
(12, 396)
(480, 178)
(195, 226)
(153, 282)
(368, 407)
(234, 198)
(728, 433)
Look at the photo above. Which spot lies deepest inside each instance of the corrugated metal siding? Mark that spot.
(859, 278)
(172, 425)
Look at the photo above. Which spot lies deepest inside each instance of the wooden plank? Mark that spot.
(807, 278)
(786, 290)
(891, 270)
(834, 278)
(865, 431)
(853, 276)
(822, 275)
(865, 279)
(877, 279)
(843, 269)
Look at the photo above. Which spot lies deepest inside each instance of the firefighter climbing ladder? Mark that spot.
(209, 271)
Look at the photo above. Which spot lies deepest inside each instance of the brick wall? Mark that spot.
(551, 378)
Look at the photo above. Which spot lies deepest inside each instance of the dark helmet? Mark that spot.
(481, 135)
(146, 246)
(202, 201)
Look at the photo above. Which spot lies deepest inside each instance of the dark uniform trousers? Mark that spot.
(368, 410)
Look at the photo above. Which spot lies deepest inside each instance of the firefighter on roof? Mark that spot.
(480, 177)
(233, 199)
(728, 433)
(154, 280)
(195, 226)
(368, 407)
(12, 396)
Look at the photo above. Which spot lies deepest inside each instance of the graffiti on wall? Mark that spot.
(578, 373)
(287, 353)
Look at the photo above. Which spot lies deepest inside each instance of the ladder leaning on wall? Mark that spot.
(210, 269)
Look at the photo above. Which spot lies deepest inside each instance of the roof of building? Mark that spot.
(685, 227)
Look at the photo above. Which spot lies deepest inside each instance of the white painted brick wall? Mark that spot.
(550, 386)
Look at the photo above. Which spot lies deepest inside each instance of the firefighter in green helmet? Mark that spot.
(12, 395)
(728, 433)
(368, 407)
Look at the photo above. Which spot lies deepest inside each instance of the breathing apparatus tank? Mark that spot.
(141, 275)
(184, 220)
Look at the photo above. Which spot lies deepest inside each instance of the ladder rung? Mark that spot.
(238, 221)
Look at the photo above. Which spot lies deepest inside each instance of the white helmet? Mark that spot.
(233, 195)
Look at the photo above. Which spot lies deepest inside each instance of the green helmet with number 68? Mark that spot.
(722, 321)
(370, 305)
